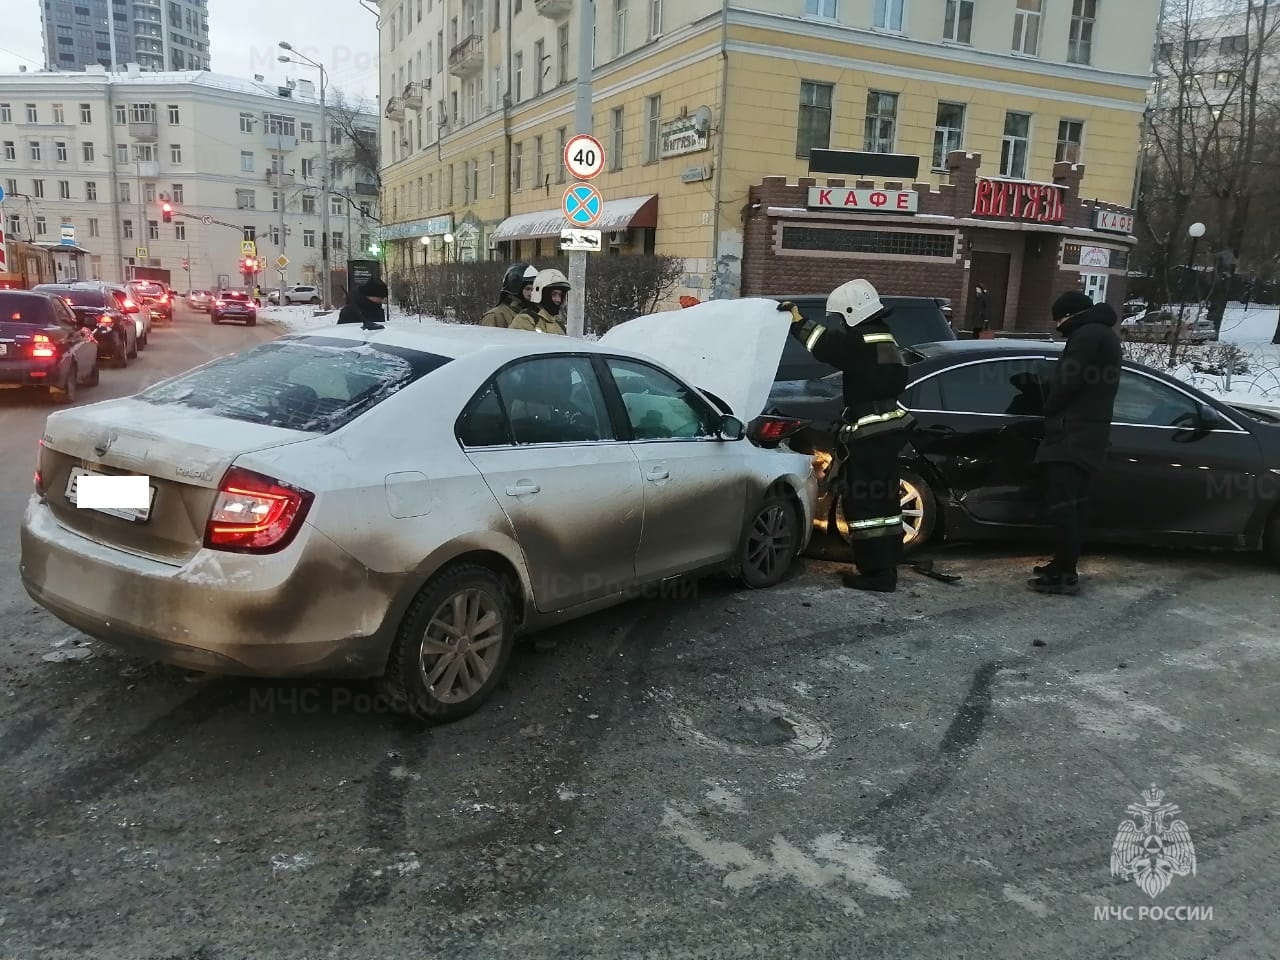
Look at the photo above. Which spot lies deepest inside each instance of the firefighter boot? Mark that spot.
(880, 582)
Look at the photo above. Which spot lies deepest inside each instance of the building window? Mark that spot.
(59, 116)
(122, 115)
(1026, 27)
(306, 132)
(562, 57)
(905, 243)
(1080, 42)
(142, 113)
(538, 178)
(882, 117)
(337, 237)
(179, 231)
(813, 129)
(655, 19)
(175, 117)
(338, 203)
(86, 113)
(615, 145)
(175, 153)
(280, 125)
(122, 188)
(276, 199)
(246, 123)
(517, 161)
(957, 21)
(93, 227)
(493, 173)
(246, 161)
(6, 112)
(889, 14)
(122, 153)
(87, 153)
(37, 189)
(245, 200)
(144, 152)
(308, 203)
(41, 226)
(619, 27)
(35, 149)
(64, 189)
(33, 116)
(308, 238)
(176, 195)
(1013, 149)
(1227, 47)
(562, 138)
(1070, 140)
(10, 150)
(653, 129)
(948, 132)
(519, 78)
(308, 167)
(820, 8)
(126, 227)
(539, 68)
(61, 150)
(91, 191)
(153, 230)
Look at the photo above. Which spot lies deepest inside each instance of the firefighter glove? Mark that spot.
(786, 306)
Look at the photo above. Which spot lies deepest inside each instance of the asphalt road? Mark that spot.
(800, 772)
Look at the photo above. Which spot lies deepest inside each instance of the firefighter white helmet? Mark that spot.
(547, 280)
(531, 275)
(854, 301)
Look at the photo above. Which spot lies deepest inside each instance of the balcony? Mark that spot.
(395, 109)
(413, 96)
(274, 179)
(467, 58)
(144, 130)
(554, 9)
(366, 189)
(279, 142)
(146, 169)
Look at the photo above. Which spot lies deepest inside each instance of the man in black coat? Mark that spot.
(1077, 429)
(365, 306)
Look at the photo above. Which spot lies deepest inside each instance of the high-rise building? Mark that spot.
(155, 34)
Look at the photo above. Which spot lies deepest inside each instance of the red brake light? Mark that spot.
(772, 430)
(39, 481)
(255, 514)
(43, 346)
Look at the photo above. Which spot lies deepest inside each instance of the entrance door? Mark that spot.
(991, 270)
(1095, 287)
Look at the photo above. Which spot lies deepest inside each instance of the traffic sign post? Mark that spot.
(140, 253)
(582, 205)
(584, 157)
(583, 160)
(580, 241)
(282, 261)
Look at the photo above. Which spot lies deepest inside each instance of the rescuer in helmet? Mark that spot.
(513, 296)
(550, 300)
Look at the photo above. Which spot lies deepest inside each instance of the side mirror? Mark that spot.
(731, 428)
(1210, 418)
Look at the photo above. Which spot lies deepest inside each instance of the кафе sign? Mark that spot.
(848, 198)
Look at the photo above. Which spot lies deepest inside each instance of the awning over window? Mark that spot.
(617, 215)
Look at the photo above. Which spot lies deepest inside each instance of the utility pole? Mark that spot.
(324, 199)
(142, 215)
(583, 123)
(280, 186)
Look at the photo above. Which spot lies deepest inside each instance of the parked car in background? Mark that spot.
(1183, 469)
(271, 296)
(44, 346)
(1157, 326)
(103, 311)
(300, 293)
(234, 305)
(200, 300)
(154, 296)
(555, 477)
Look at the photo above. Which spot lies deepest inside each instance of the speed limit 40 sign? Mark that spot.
(583, 157)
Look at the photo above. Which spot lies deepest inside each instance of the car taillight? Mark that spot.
(165, 298)
(43, 346)
(39, 480)
(255, 513)
(773, 430)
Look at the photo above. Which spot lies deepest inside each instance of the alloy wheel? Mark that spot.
(770, 541)
(910, 501)
(461, 645)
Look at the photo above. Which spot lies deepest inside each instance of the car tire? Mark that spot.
(122, 352)
(919, 508)
(213, 318)
(134, 354)
(1271, 543)
(252, 321)
(469, 593)
(95, 376)
(67, 392)
(770, 542)
(142, 344)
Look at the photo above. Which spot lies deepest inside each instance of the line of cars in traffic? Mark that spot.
(56, 336)
(285, 536)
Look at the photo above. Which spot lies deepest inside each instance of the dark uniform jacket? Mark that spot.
(360, 309)
(874, 374)
(1082, 393)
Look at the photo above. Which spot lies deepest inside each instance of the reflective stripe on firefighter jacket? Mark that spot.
(874, 375)
(875, 527)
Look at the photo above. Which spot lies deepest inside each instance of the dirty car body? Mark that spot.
(311, 494)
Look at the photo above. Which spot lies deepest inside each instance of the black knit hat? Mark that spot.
(374, 288)
(1069, 304)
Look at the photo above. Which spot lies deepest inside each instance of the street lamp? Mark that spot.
(304, 60)
(1195, 232)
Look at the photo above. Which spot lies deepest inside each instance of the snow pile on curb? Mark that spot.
(1250, 332)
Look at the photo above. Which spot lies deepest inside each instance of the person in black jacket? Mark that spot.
(365, 307)
(1077, 429)
(873, 426)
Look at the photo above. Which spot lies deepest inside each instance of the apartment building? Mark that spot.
(155, 34)
(699, 102)
(88, 158)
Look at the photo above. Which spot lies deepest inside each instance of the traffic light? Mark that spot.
(166, 211)
(248, 265)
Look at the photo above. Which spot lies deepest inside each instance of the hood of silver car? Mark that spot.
(728, 347)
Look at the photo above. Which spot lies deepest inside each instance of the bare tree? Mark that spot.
(358, 149)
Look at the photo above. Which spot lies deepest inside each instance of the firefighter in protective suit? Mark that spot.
(873, 426)
(545, 313)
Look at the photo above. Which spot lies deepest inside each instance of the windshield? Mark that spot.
(313, 384)
(85, 298)
(25, 308)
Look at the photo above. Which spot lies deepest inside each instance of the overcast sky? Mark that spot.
(242, 37)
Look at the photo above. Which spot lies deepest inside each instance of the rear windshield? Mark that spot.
(235, 295)
(149, 289)
(86, 298)
(26, 309)
(312, 384)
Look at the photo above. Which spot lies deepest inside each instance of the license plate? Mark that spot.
(136, 514)
(4, 349)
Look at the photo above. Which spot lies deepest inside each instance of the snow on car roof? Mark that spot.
(459, 340)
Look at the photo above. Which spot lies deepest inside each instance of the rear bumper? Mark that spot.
(29, 373)
(309, 611)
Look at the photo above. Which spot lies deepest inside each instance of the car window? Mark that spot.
(484, 422)
(37, 311)
(1007, 387)
(86, 298)
(924, 395)
(554, 400)
(314, 384)
(1145, 401)
(660, 407)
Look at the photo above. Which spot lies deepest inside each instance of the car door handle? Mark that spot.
(522, 488)
(939, 430)
(657, 473)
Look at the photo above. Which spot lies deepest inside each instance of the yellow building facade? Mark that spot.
(697, 102)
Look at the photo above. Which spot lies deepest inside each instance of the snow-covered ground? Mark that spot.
(1250, 331)
(300, 318)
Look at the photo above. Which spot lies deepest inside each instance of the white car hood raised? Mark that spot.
(728, 347)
